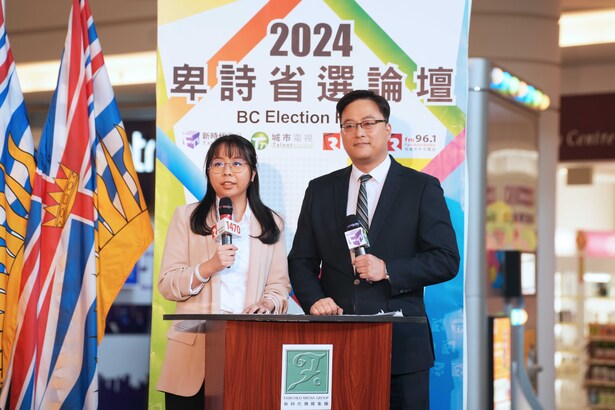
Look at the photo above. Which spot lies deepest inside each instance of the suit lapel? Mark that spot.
(386, 200)
(341, 197)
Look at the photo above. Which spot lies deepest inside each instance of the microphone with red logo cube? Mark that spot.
(226, 228)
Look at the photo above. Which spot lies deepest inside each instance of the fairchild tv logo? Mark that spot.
(260, 140)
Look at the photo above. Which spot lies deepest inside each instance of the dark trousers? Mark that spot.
(410, 391)
(175, 402)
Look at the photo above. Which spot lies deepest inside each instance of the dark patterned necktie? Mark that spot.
(362, 210)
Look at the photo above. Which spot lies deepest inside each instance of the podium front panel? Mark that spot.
(244, 362)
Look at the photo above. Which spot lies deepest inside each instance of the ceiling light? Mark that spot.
(597, 277)
(586, 28)
(511, 86)
(123, 69)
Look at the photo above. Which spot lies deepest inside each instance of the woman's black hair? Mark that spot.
(235, 146)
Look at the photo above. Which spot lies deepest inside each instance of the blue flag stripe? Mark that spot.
(77, 395)
(80, 246)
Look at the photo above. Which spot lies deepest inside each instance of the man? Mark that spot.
(412, 241)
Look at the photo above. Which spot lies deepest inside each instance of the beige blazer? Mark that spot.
(183, 369)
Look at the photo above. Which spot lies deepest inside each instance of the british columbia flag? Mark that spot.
(88, 226)
(16, 173)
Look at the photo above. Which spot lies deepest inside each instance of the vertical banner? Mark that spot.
(272, 71)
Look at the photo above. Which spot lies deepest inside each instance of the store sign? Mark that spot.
(600, 244)
(141, 136)
(511, 213)
(587, 128)
(501, 369)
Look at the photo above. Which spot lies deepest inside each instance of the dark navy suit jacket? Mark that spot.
(411, 231)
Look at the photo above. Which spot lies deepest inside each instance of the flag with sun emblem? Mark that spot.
(16, 172)
(88, 226)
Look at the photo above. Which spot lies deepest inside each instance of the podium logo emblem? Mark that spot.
(307, 371)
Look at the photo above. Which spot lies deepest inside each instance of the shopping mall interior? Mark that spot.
(566, 48)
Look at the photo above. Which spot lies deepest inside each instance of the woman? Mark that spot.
(204, 276)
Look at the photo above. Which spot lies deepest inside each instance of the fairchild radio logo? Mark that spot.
(331, 141)
(395, 142)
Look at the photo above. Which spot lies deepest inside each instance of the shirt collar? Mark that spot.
(247, 215)
(378, 174)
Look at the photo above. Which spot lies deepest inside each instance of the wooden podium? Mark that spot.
(243, 362)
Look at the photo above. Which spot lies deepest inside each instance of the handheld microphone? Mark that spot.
(356, 237)
(226, 227)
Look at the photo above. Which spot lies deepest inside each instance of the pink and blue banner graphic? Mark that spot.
(272, 71)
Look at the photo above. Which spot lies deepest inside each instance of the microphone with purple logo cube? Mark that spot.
(356, 237)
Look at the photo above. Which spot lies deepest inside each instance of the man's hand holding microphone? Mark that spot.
(367, 267)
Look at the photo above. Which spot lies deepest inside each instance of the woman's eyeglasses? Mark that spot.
(217, 167)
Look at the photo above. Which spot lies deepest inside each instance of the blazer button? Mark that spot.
(357, 281)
